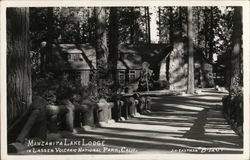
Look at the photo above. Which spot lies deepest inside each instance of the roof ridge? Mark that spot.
(85, 57)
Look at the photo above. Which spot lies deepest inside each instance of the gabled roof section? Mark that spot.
(90, 53)
(85, 51)
(69, 49)
(133, 55)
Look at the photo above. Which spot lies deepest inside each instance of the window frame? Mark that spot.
(132, 76)
(122, 73)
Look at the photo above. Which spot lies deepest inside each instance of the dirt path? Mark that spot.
(176, 124)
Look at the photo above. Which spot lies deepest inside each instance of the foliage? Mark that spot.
(175, 16)
(101, 77)
(54, 88)
(38, 27)
(131, 24)
(45, 86)
(77, 24)
(72, 24)
(237, 89)
(35, 63)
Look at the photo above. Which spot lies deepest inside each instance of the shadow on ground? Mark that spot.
(176, 124)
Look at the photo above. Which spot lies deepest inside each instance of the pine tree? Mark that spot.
(236, 52)
(190, 83)
(19, 92)
(113, 45)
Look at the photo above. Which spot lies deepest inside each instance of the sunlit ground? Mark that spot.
(176, 124)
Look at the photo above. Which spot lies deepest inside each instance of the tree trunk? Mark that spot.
(206, 32)
(90, 25)
(113, 45)
(198, 27)
(146, 24)
(180, 21)
(236, 52)
(170, 40)
(211, 35)
(132, 27)
(198, 46)
(101, 52)
(101, 36)
(148, 20)
(79, 36)
(190, 82)
(19, 92)
(171, 32)
(159, 14)
(49, 36)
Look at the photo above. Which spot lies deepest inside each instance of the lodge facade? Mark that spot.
(80, 60)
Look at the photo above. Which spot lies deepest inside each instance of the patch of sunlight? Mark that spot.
(218, 123)
(186, 107)
(166, 123)
(141, 135)
(215, 113)
(199, 101)
(167, 117)
(179, 118)
(187, 124)
(149, 127)
(130, 133)
(224, 142)
(214, 124)
(217, 97)
(223, 135)
(183, 117)
(86, 135)
(216, 119)
(218, 126)
(179, 112)
(185, 139)
(221, 131)
(139, 131)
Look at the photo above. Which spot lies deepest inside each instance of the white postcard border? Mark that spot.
(246, 64)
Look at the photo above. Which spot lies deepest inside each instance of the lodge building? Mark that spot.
(79, 60)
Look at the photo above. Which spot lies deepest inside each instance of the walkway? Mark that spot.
(176, 124)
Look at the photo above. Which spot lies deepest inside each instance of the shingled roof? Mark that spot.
(85, 51)
(131, 56)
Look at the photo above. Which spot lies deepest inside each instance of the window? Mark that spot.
(121, 77)
(131, 76)
(75, 57)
